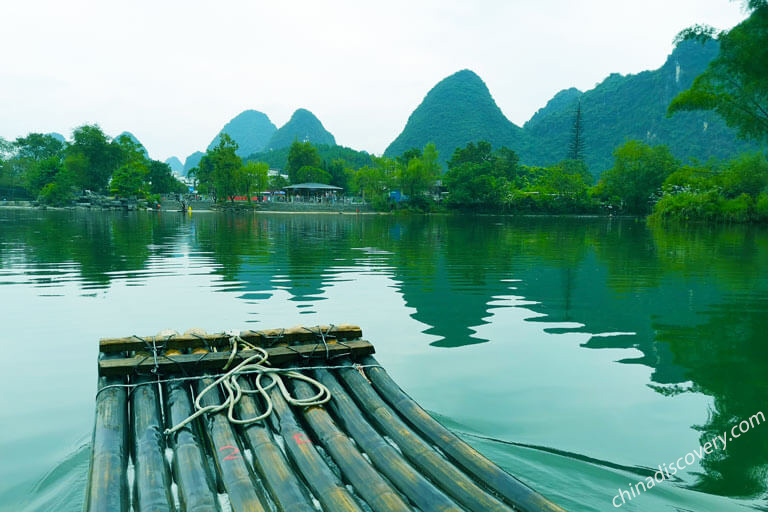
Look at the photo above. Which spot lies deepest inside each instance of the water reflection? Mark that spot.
(522, 294)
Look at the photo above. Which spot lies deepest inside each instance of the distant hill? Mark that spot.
(633, 107)
(458, 110)
(251, 130)
(303, 126)
(175, 165)
(57, 136)
(192, 161)
(135, 141)
(278, 158)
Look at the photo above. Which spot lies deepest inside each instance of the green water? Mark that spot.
(596, 349)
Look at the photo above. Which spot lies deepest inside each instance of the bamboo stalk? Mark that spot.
(195, 483)
(287, 491)
(107, 476)
(326, 487)
(358, 471)
(152, 481)
(386, 459)
(419, 453)
(514, 491)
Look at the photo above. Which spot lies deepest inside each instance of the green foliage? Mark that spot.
(419, 173)
(309, 174)
(747, 174)
(338, 172)
(277, 183)
(458, 110)
(254, 177)
(735, 191)
(44, 172)
(161, 179)
(37, 146)
(374, 182)
(55, 194)
(130, 180)
(735, 83)
(219, 170)
(638, 172)
(302, 154)
(479, 178)
(303, 126)
(576, 147)
(97, 157)
(352, 159)
(634, 107)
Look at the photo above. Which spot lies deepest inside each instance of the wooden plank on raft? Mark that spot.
(215, 361)
(262, 338)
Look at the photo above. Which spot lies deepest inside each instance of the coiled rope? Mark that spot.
(252, 364)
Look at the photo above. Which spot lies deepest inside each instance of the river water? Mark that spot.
(578, 354)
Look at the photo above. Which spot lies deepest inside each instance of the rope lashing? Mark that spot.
(252, 364)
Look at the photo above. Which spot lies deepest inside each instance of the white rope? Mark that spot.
(253, 364)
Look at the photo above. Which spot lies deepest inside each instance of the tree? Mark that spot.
(309, 174)
(374, 182)
(42, 173)
(479, 178)
(735, 84)
(638, 172)
(746, 174)
(576, 147)
(38, 146)
(130, 180)
(338, 172)
(301, 154)
(409, 155)
(419, 173)
(99, 157)
(253, 175)
(219, 169)
(161, 179)
(277, 182)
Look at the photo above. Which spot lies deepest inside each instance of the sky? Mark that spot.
(174, 72)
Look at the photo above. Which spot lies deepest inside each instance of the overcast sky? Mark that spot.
(174, 72)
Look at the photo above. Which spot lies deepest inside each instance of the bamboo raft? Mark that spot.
(370, 447)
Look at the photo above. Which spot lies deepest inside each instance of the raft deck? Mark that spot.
(369, 447)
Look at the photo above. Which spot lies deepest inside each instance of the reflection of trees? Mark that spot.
(726, 356)
(100, 244)
(735, 255)
(696, 299)
(233, 239)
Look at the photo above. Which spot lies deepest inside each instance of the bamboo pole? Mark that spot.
(358, 471)
(326, 487)
(231, 467)
(285, 488)
(455, 483)
(152, 480)
(195, 483)
(386, 458)
(107, 476)
(514, 491)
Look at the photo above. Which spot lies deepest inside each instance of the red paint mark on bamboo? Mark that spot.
(233, 454)
(300, 438)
